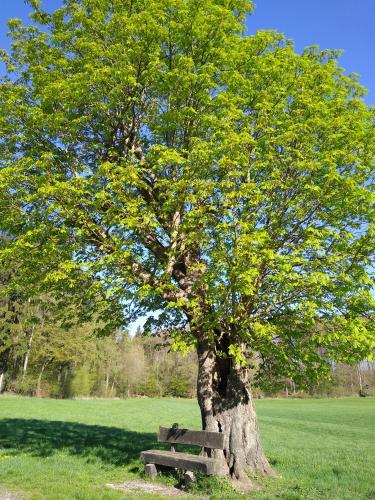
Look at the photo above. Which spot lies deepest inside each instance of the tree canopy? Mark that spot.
(155, 158)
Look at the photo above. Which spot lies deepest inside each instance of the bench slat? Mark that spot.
(185, 461)
(208, 439)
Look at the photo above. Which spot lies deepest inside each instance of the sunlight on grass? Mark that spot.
(71, 449)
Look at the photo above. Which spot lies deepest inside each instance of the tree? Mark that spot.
(17, 324)
(132, 363)
(155, 158)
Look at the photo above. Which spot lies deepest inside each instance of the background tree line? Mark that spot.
(41, 355)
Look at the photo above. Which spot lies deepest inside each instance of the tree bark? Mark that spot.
(39, 382)
(226, 406)
(27, 355)
(359, 373)
(106, 384)
(1, 381)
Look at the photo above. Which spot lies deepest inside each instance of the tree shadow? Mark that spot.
(42, 438)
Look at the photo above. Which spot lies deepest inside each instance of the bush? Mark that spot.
(150, 387)
(178, 386)
(102, 390)
(25, 386)
(44, 390)
(81, 383)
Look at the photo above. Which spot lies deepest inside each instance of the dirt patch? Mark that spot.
(4, 495)
(138, 486)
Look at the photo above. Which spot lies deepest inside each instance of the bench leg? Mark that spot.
(187, 478)
(150, 470)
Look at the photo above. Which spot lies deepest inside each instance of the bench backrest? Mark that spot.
(206, 439)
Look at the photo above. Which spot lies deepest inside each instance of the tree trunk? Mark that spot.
(359, 373)
(1, 381)
(226, 406)
(106, 384)
(39, 382)
(27, 355)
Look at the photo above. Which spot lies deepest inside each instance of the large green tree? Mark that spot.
(155, 158)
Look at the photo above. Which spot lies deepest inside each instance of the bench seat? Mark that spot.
(186, 461)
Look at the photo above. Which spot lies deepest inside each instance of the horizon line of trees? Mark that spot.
(42, 355)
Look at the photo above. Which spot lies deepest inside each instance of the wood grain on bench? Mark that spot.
(206, 439)
(186, 461)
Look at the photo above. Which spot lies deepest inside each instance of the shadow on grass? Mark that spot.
(43, 438)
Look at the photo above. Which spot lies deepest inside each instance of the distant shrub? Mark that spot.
(44, 390)
(178, 386)
(24, 386)
(103, 390)
(81, 383)
(150, 387)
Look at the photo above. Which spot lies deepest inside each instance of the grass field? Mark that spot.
(54, 449)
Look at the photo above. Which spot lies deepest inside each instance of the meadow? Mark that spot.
(70, 449)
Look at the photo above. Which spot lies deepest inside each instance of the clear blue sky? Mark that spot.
(339, 24)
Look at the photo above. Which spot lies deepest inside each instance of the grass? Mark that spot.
(54, 449)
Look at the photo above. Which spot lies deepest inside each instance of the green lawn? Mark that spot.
(323, 449)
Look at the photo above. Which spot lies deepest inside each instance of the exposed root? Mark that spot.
(243, 484)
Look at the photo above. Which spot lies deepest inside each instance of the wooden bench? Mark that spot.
(185, 461)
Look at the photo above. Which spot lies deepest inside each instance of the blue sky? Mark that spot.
(339, 24)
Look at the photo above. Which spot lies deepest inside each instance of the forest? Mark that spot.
(42, 355)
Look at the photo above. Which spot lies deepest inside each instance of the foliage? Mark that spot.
(150, 387)
(81, 384)
(41, 356)
(38, 350)
(155, 159)
(179, 386)
(23, 386)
